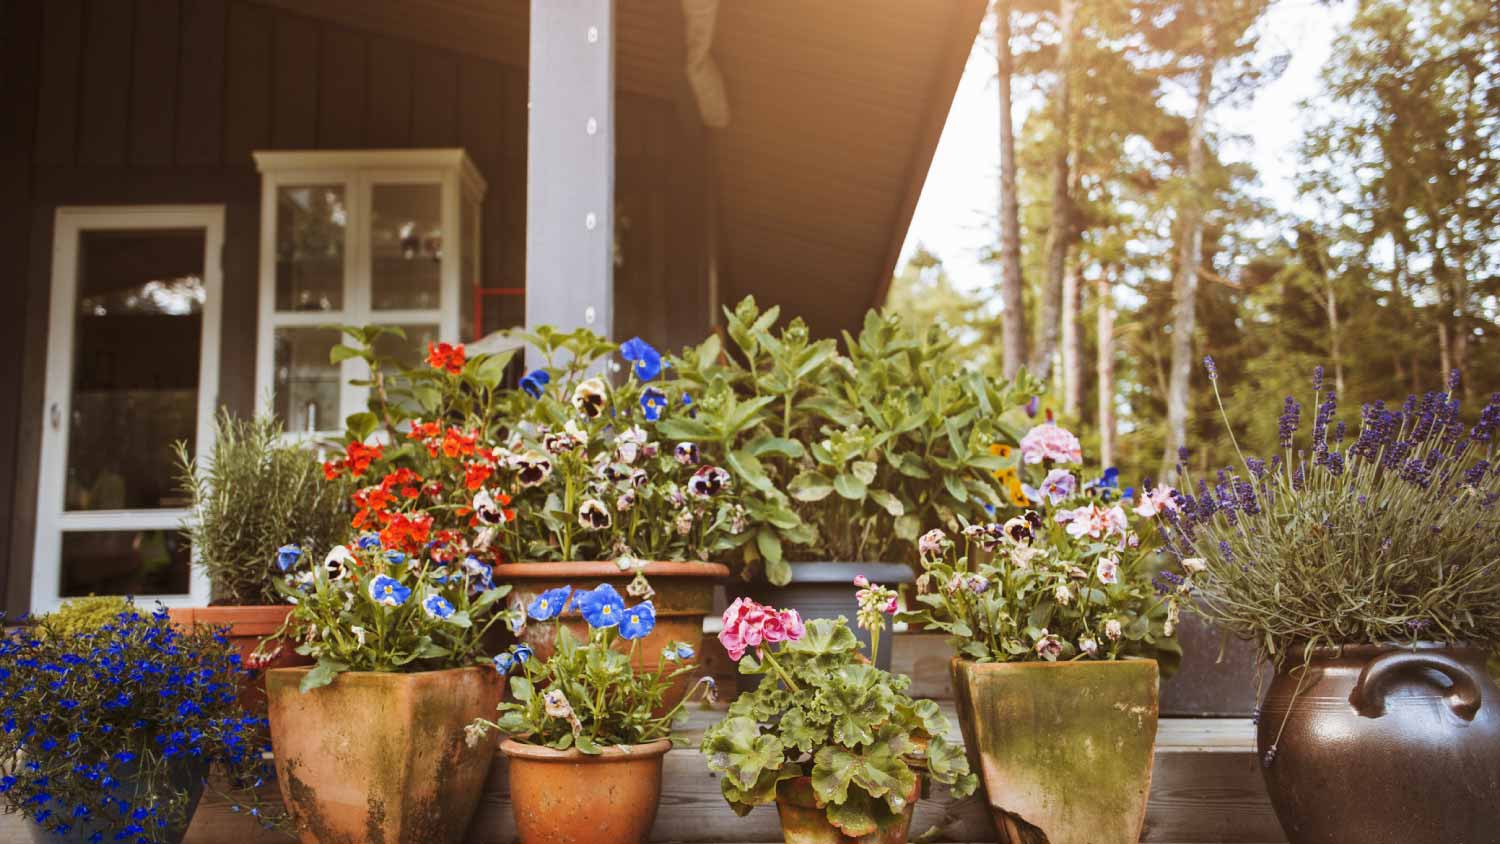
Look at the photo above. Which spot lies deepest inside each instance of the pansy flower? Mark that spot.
(1108, 570)
(653, 402)
(547, 605)
(535, 382)
(484, 572)
(491, 511)
(504, 663)
(708, 481)
(645, 361)
(336, 564)
(436, 606)
(593, 515)
(395, 558)
(687, 454)
(589, 397)
(639, 621)
(368, 541)
(523, 653)
(287, 556)
(532, 469)
(601, 607)
(388, 591)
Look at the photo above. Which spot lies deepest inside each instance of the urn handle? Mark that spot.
(1381, 672)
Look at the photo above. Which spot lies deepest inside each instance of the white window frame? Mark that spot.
(53, 519)
(359, 172)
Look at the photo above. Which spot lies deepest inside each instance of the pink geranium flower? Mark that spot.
(751, 625)
(1049, 442)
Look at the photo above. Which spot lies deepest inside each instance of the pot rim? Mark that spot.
(1372, 649)
(381, 676)
(1094, 663)
(614, 753)
(808, 572)
(608, 568)
(243, 620)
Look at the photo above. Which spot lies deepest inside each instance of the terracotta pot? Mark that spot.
(382, 757)
(803, 821)
(248, 627)
(567, 797)
(1384, 744)
(1064, 749)
(684, 595)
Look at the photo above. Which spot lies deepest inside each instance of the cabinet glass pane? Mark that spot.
(307, 385)
(406, 247)
(310, 228)
(142, 561)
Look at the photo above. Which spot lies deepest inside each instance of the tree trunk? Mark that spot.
(1013, 316)
(1060, 234)
(1072, 341)
(1105, 306)
(1189, 256)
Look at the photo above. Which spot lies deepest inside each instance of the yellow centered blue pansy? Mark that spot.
(388, 591)
(547, 605)
(639, 621)
(601, 607)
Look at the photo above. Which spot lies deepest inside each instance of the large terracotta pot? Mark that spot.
(567, 797)
(684, 595)
(803, 821)
(1384, 744)
(248, 627)
(382, 757)
(1064, 749)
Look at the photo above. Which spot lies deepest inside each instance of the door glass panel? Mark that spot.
(138, 329)
(406, 247)
(310, 224)
(149, 561)
(307, 385)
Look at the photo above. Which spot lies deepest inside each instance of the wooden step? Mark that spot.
(1206, 787)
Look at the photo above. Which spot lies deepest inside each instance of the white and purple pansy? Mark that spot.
(708, 481)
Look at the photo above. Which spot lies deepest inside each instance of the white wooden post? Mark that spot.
(570, 166)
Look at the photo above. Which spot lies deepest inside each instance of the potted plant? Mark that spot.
(848, 454)
(258, 490)
(828, 737)
(1057, 634)
(1366, 567)
(586, 734)
(110, 726)
(370, 741)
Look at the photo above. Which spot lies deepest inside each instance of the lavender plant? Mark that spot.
(1388, 535)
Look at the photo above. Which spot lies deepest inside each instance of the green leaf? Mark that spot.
(891, 503)
(908, 527)
(955, 488)
(768, 544)
(360, 426)
(849, 486)
(491, 369)
(810, 486)
(340, 353)
(321, 674)
(864, 470)
(776, 446)
(747, 466)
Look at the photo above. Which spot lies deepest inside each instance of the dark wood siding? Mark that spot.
(163, 101)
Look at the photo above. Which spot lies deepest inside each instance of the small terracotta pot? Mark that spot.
(382, 757)
(248, 627)
(567, 797)
(684, 596)
(803, 821)
(1384, 744)
(1064, 749)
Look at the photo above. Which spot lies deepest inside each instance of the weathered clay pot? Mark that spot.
(1064, 749)
(803, 821)
(567, 797)
(1384, 744)
(684, 595)
(248, 627)
(382, 757)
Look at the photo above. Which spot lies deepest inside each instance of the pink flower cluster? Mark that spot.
(1094, 521)
(751, 625)
(1049, 442)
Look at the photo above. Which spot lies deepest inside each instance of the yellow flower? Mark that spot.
(1013, 489)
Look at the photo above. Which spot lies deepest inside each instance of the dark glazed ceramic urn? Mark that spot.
(1384, 744)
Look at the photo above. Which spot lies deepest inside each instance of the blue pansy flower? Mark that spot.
(653, 402)
(685, 651)
(535, 382)
(639, 620)
(645, 361)
(548, 604)
(484, 572)
(523, 653)
(436, 606)
(504, 662)
(368, 541)
(602, 607)
(287, 556)
(389, 591)
(395, 557)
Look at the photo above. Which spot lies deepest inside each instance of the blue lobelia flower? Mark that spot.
(368, 541)
(535, 382)
(602, 607)
(548, 604)
(639, 621)
(504, 662)
(436, 606)
(523, 653)
(287, 556)
(645, 361)
(395, 557)
(653, 402)
(389, 591)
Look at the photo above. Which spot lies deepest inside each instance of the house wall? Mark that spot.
(163, 101)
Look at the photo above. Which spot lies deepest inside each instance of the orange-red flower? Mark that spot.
(475, 474)
(456, 443)
(359, 457)
(446, 357)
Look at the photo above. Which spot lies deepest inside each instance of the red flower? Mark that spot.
(360, 456)
(475, 474)
(456, 443)
(446, 357)
(332, 468)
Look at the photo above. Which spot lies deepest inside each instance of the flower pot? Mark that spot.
(568, 796)
(186, 777)
(826, 590)
(1063, 749)
(248, 627)
(1384, 744)
(684, 595)
(382, 757)
(803, 821)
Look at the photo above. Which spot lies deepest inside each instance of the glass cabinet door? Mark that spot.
(310, 237)
(406, 247)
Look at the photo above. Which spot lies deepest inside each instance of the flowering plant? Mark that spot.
(1071, 579)
(826, 712)
(585, 695)
(106, 731)
(408, 606)
(1392, 535)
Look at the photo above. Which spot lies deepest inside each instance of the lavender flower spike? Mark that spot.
(1213, 371)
